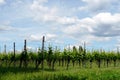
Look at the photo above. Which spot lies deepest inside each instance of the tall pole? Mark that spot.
(84, 61)
(118, 50)
(25, 52)
(84, 48)
(5, 48)
(0, 49)
(14, 53)
(14, 49)
(43, 41)
(25, 46)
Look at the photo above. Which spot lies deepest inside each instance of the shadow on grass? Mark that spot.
(4, 70)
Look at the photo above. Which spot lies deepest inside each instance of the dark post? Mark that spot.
(84, 56)
(43, 41)
(118, 50)
(14, 53)
(0, 49)
(84, 47)
(25, 45)
(25, 52)
(5, 48)
(14, 48)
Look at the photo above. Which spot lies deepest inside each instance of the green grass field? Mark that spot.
(60, 73)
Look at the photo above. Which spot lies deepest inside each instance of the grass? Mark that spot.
(60, 73)
(75, 73)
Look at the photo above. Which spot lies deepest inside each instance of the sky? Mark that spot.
(63, 23)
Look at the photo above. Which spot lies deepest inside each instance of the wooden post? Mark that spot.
(14, 48)
(84, 47)
(84, 60)
(118, 54)
(25, 52)
(5, 48)
(25, 45)
(14, 53)
(43, 41)
(0, 49)
(118, 50)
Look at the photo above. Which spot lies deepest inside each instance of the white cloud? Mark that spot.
(50, 36)
(102, 26)
(37, 5)
(97, 5)
(6, 28)
(41, 12)
(107, 24)
(107, 18)
(67, 20)
(40, 1)
(36, 37)
(2, 2)
(50, 14)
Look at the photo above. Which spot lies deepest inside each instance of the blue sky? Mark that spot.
(63, 22)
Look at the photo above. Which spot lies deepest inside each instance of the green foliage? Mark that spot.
(32, 55)
(52, 56)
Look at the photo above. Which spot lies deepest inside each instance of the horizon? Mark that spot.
(4, 48)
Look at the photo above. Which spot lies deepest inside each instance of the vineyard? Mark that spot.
(53, 59)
